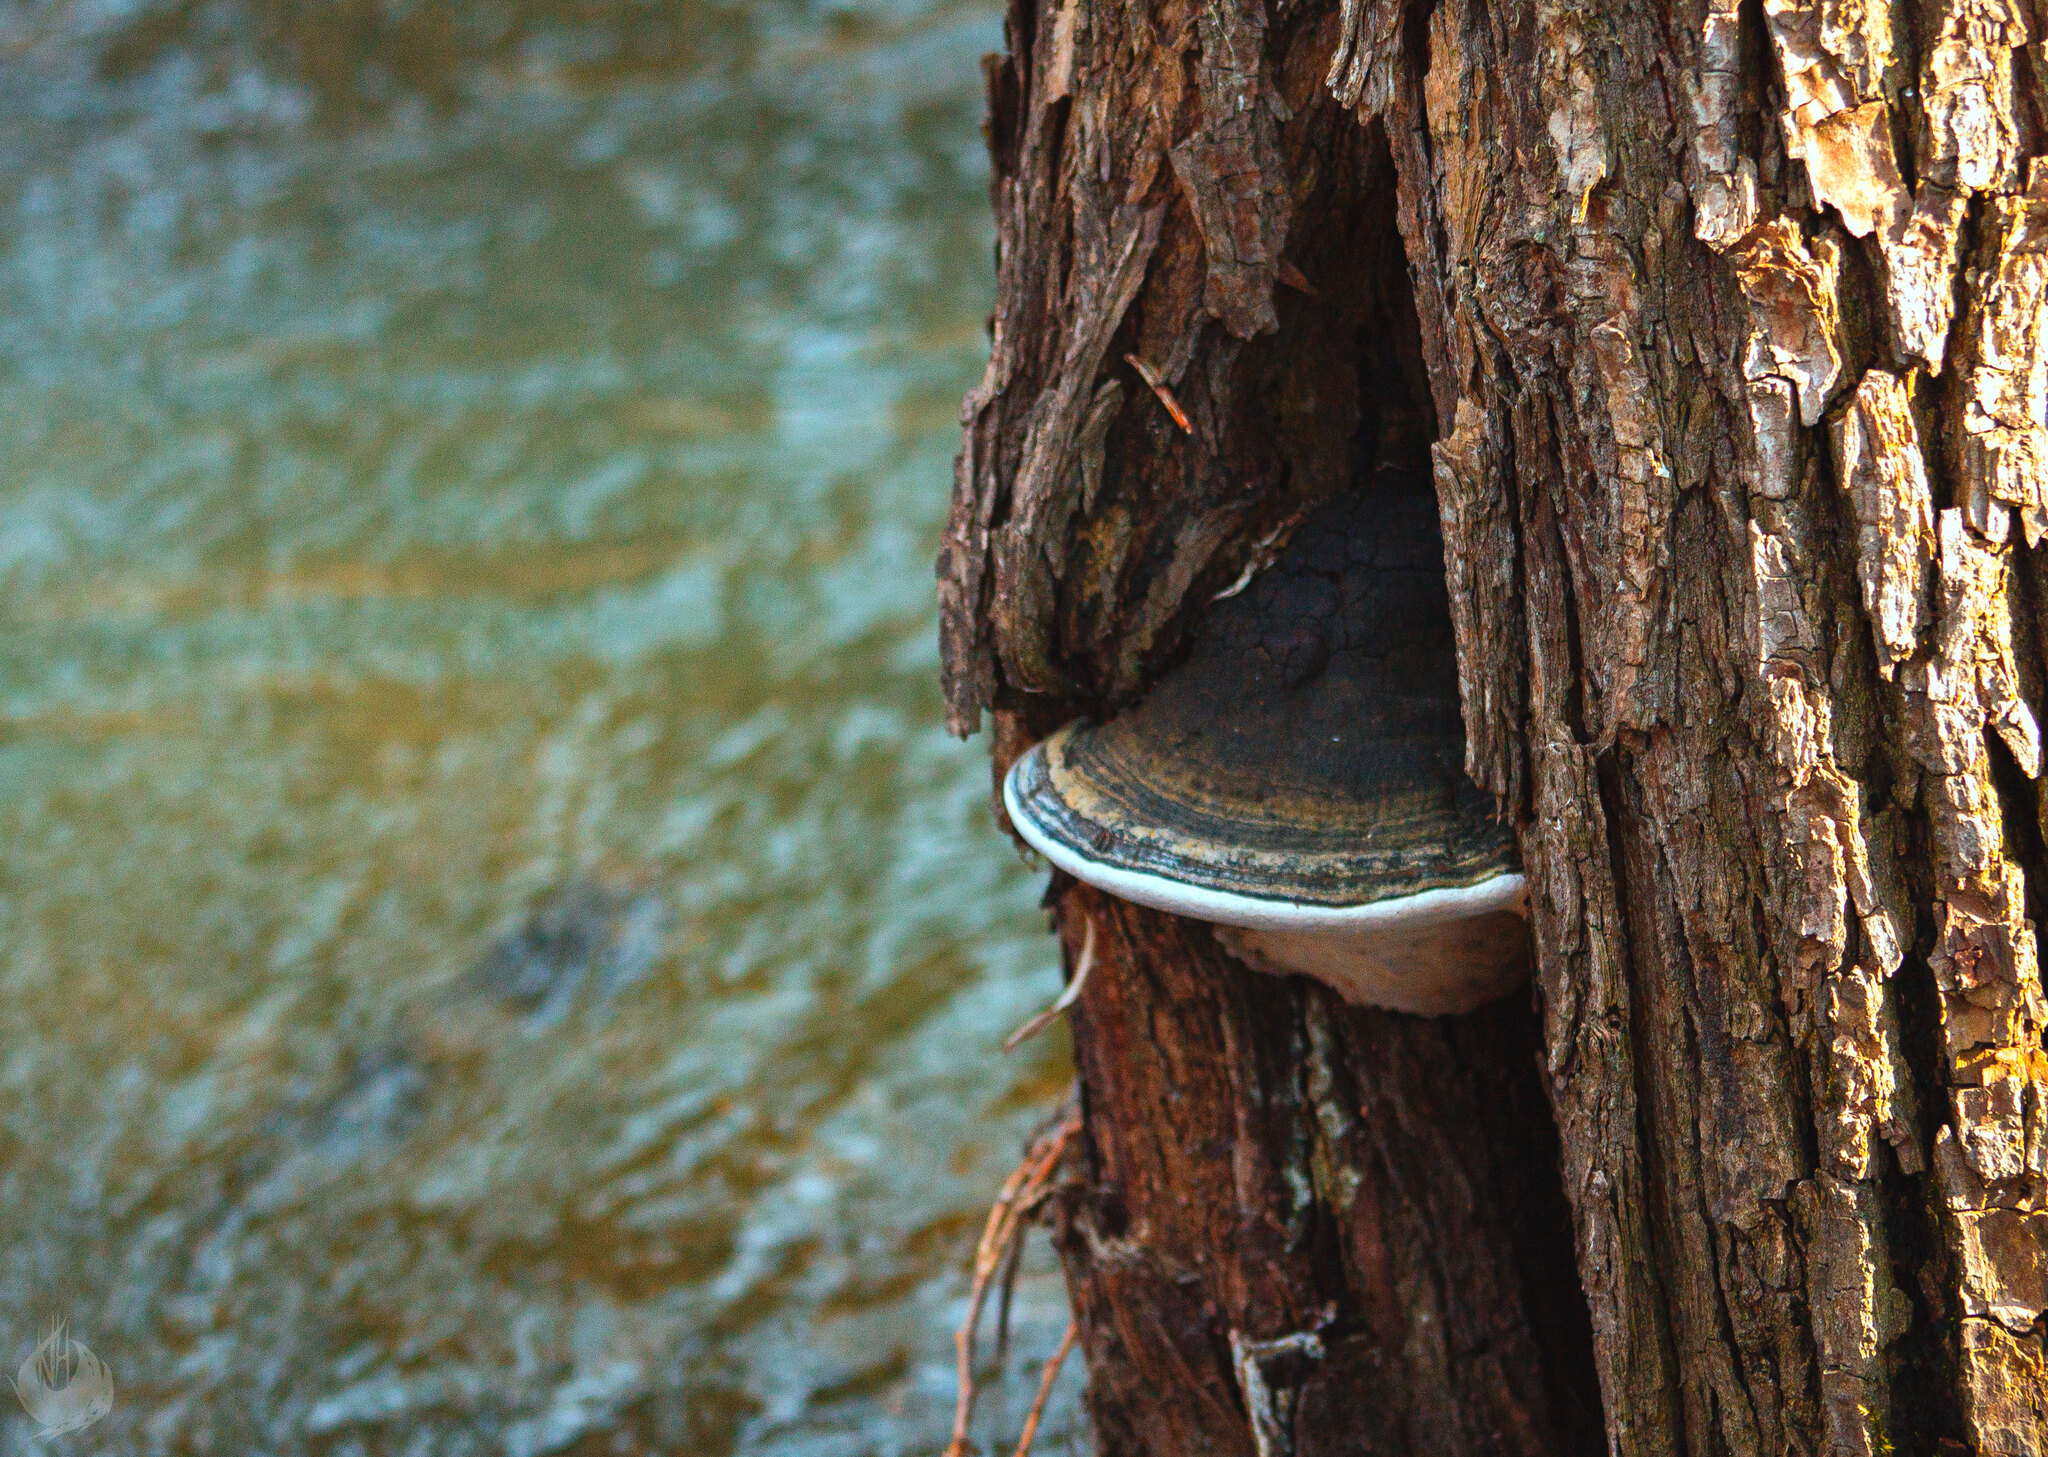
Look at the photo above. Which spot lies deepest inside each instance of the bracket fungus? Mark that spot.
(1299, 782)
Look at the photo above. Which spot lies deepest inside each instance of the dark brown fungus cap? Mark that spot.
(1304, 769)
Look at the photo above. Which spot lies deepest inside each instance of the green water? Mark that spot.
(497, 953)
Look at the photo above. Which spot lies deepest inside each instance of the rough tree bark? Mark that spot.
(1721, 324)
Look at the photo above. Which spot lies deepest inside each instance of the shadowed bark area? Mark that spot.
(1721, 325)
(1384, 1183)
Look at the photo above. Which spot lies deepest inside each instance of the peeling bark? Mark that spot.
(1722, 328)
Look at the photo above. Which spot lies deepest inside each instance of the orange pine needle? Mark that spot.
(1158, 386)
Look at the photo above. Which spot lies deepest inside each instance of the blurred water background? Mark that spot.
(497, 953)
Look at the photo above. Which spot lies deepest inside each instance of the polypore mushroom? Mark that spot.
(1299, 781)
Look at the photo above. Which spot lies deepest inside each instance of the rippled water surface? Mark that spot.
(497, 953)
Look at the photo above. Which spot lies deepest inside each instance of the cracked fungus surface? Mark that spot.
(497, 954)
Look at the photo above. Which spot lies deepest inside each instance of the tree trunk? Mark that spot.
(1721, 324)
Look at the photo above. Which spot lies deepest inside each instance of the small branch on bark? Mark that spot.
(1022, 1193)
(1067, 997)
(1052, 1373)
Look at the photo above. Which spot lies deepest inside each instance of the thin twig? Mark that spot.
(963, 1345)
(1005, 1295)
(1066, 999)
(1151, 377)
(1021, 1195)
(1052, 1371)
(1265, 551)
